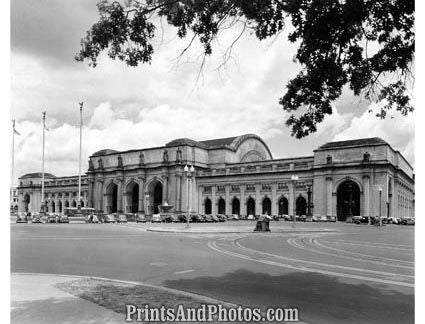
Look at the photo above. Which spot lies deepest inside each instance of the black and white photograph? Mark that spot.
(221, 161)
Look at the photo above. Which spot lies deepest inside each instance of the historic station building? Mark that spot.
(237, 175)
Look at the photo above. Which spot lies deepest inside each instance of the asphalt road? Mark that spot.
(359, 274)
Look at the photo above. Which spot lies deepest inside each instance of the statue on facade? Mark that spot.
(100, 163)
(366, 157)
(141, 159)
(91, 168)
(329, 159)
(178, 155)
(120, 164)
(165, 156)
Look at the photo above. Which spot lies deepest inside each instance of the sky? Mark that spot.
(150, 105)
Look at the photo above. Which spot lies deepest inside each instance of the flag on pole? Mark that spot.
(46, 128)
(16, 132)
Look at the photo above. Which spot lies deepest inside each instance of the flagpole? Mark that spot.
(42, 165)
(13, 159)
(79, 158)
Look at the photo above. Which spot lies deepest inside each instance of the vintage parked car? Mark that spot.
(360, 219)
(52, 218)
(407, 221)
(171, 218)
(221, 218)
(140, 218)
(208, 218)
(331, 218)
(156, 218)
(121, 218)
(195, 218)
(62, 219)
(36, 219)
(235, 217)
(301, 218)
(21, 218)
(108, 218)
(215, 218)
(250, 217)
(182, 218)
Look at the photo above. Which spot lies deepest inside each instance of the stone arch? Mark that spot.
(250, 206)
(301, 205)
(74, 203)
(253, 156)
(221, 204)
(111, 193)
(66, 203)
(132, 196)
(60, 209)
(267, 206)
(340, 181)
(154, 190)
(53, 205)
(236, 206)
(348, 200)
(207, 206)
(283, 206)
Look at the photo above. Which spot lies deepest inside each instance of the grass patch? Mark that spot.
(115, 296)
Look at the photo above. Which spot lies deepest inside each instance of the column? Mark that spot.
(258, 209)
(165, 189)
(274, 199)
(366, 196)
(141, 206)
(177, 203)
(228, 210)
(242, 204)
(291, 199)
(200, 188)
(213, 201)
(120, 196)
(328, 196)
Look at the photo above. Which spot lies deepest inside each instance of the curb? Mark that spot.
(306, 231)
(202, 298)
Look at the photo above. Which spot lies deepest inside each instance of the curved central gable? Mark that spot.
(251, 148)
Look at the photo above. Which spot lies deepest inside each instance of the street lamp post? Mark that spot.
(380, 203)
(294, 179)
(189, 173)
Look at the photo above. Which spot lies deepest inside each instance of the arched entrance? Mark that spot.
(221, 206)
(156, 197)
(66, 203)
(74, 203)
(267, 206)
(60, 206)
(250, 206)
(207, 206)
(26, 202)
(301, 206)
(236, 206)
(283, 206)
(112, 198)
(348, 200)
(132, 197)
(53, 205)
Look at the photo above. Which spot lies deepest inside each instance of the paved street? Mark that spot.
(356, 274)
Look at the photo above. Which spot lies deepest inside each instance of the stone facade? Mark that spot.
(238, 175)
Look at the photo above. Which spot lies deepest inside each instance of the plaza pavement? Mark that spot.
(356, 274)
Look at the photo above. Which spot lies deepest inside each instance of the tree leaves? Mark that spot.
(359, 43)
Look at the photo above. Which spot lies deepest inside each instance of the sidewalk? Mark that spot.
(35, 300)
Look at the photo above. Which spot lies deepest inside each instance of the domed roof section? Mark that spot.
(185, 141)
(104, 152)
(37, 175)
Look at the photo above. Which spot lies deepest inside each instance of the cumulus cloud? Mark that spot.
(397, 130)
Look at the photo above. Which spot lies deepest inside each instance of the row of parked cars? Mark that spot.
(385, 220)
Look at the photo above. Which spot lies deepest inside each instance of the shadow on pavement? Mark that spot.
(319, 298)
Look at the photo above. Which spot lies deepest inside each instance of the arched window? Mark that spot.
(250, 206)
(221, 206)
(207, 206)
(283, 206)
(236, 206)
(301, 206)
(348, 200)
(267, 206)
